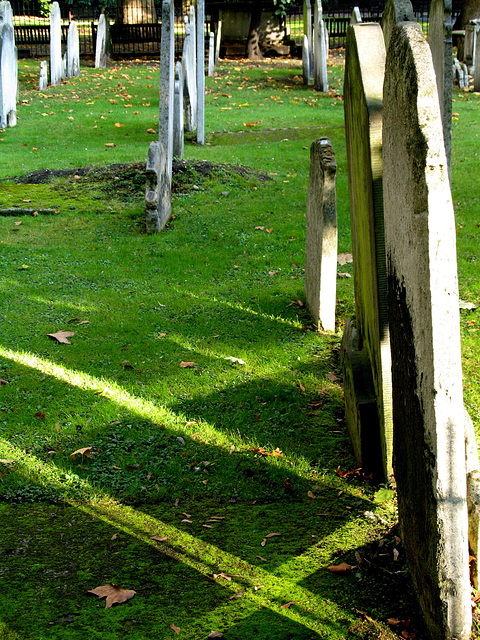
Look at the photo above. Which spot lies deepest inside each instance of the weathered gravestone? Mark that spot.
(476, 71)
(158, 204)
(320, 50)
(460, 72)
(189, 78)
(64, 66)
(218, 41)
(178, 137)
(472, 30)
(55, 45)
(440, 41)
(200, 72)
(8, 68)
(395, 11)
(307, 54)
(428, 415)
(366, 348)
(102, 47)
(43, 80)
(73, 51)
(167, 85)
(321, 236)
(306, 60)
(211, 54)
(356, 16)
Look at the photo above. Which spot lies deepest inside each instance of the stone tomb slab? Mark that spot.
(428, 414)
(321, 236)
(369, 345)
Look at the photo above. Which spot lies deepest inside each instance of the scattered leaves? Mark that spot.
(113, 593)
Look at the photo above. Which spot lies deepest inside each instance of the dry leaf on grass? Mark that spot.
(157, 539)
(343, 258)
(332, 377)
(311, 495)
(342, 568)
(222, 575)
(176, 629)
(272, 535)
(110, 144)
(237, 595)
(287, 605)
(62, 336)
(186, 365)
(86, 451)
(113, 593)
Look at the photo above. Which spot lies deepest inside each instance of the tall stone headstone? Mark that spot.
(395, 12)
(178, 137)
(167, 84)
(366, 350)
(429, 446)
(102, 45)
(200, 72)
(320, 50)
(64, 66)
(43, 79)
(55, 45)
(306, 60)
(356, 17)
(211, 54)
(158, 203)
(307, 51)
(472, 33)
(8, 76)
(218, 41)
(440, 41)
(189, 79)
(476, 71)
(321, 236)
(73, 51)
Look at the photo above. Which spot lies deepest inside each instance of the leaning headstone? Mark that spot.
(102, 44)
(429, 446)
(306, 60)
(43, 81)
(178, 137)
(73, 51)
(200, 72)
(211, 54)
(395, 11)
(476, 71)
(356, 16)
(55, 45)
(167, 84)
(8, 76)
(218, 41)
(366, 348)
(307, 30)
(158, 204)
(321, 236)
(440, 42)
(189, 79)
(319, 50)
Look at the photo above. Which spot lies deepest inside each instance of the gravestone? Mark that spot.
(64, 66)
(200, 72)
(321, 236)
(471, 36)
(158, 204)
(55, 45)
(306, 60)
(440, 42)
(178, 138)
(395, 11)
(8, 76)
(102, 46)
(307, 30)
(366, 347)
(356, 16)
(73, 51)
(218, 41)
(189, 79)
(319, 50)
(167, 84)
(476, 71)
(429, 444)
(43, 80)
(211, 54)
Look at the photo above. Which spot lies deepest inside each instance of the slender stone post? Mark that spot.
(319, 52)
(200, 72)
(218, 41)
(8, 67)
(102, 45)
(158, 204)
(43, 81)
(178, 138)
(55, 45)
(476, 75)
(307, 30)
(73, 51)
(167, 84)
(356, 16)
(211, 54)
(189, 79)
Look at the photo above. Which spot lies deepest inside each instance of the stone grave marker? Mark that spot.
(356, 16)
(43, 80)
(308, 51)
(218, 41)
(476, 71)
(8, 76)
(167, 84)
(200, 72)
(211, 54)
(428, 414)
(321, 236)
(64, 66)
(178, 137)
(102, 47)
(395, 11)
(440, 42)
(319, 50)
(306, 60)
(472, 30)
(55, 45)
(158, 204)
(366, 347)
(189, 79)
(73, 51)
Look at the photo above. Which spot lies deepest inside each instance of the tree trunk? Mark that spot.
(253, 48)
(136, 12)
(470, 11)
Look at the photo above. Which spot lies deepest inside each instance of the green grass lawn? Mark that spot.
(186, 460)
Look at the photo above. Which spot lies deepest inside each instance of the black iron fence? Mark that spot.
(135, 24)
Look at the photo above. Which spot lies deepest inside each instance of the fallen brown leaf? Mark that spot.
(342, 568)
(302, 388)
(2, 382)
(176, 629)
(287, 605)
(222, 575)
(186, 365)
(39, 415)
(343, 258)
(332, 377)
(311, 495)
(272, 535)
(113, 593)
(110, 144)
(237, 595)
(86, 451)
(62, 336)
(157, 539)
